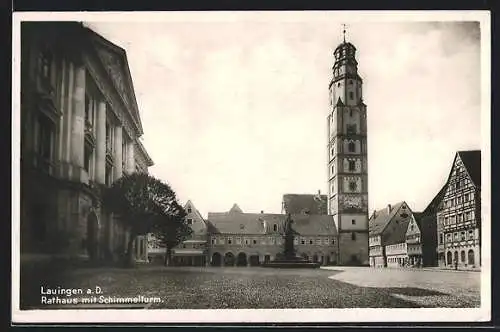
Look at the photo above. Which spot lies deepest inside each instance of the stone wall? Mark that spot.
(348, 248)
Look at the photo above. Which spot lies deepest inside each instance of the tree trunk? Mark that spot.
(168, 254)
(130, 259)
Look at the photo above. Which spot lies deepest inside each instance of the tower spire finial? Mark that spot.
(344, 30)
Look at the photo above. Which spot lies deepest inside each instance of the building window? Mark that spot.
(352, 166)
(190, 221)
(353, 186)
(471, 235)
(45, 138)
(238, 240)
(353, 236)
(275, 227)
(311, 242)
(441, 238)
(213, 241)
(455, 236)
(254, 241)
(462, 236)
(87, 153)
(295, 241)
(351, 95)
(229, 240)
(353, 222)
(109, 138)
(45, 64)
(302, 241)
(351, 147)
(189, 210)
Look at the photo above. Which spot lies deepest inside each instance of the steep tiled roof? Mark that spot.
(434, 204)
(300, 203)
(472, 162)
(314, 224)
(382, 217)
(243, 223)
(397, 233)
(262, 223)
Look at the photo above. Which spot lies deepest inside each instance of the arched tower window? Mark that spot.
(351, 147)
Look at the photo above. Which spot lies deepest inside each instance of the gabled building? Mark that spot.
(192, 251)
(80, 131)
(379, 231)
(459, 214)
(248, 239)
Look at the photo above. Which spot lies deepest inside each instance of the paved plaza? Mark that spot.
(256, 287)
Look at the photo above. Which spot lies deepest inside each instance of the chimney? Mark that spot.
(374, 213)
(319, 192)
(389, 208)
(261, 211)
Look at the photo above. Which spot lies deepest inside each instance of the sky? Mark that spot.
(234, 107)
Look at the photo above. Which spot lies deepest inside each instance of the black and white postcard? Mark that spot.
(277, 166)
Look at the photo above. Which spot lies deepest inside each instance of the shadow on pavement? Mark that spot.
(413, 291)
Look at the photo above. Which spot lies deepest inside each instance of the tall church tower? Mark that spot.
(347, 157)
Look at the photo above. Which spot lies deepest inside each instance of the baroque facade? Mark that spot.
(80, 131)
(347, 157)
(459, 214)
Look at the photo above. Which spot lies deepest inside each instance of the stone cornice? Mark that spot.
(103, 82)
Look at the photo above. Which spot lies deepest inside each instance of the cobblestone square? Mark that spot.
(255, 287)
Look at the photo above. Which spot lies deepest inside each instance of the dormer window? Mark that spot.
(189, 210)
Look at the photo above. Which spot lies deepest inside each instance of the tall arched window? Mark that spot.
(351, 147)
